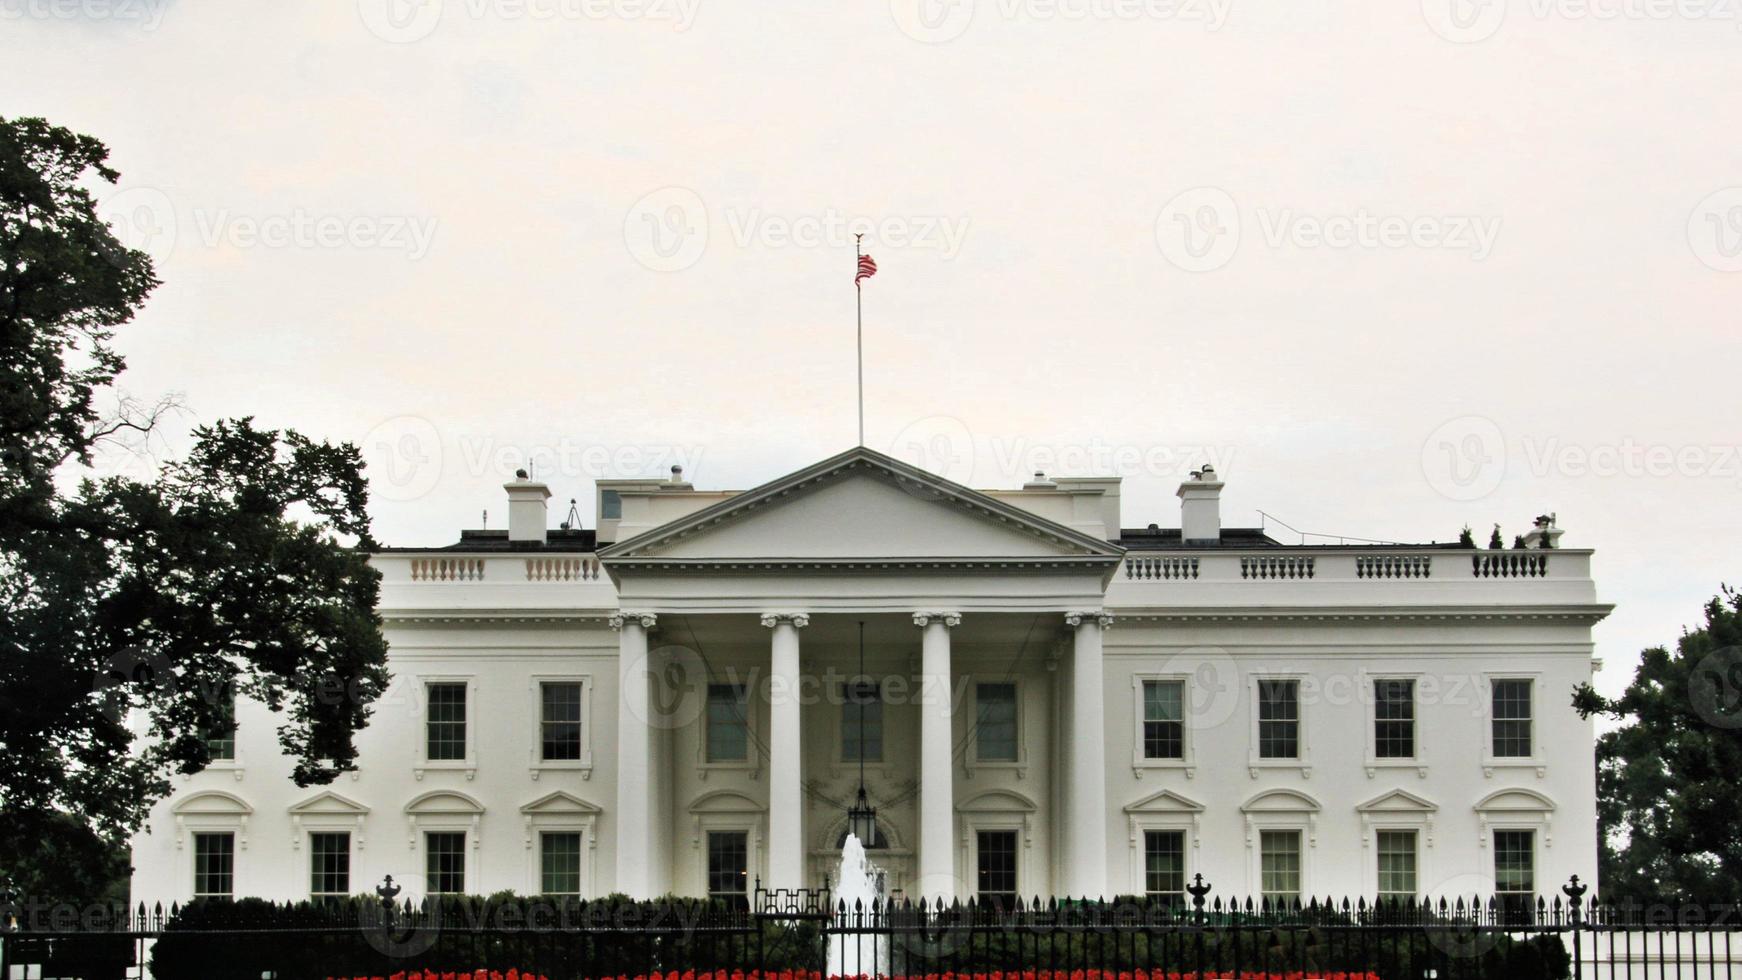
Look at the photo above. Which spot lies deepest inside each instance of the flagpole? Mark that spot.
(859, 331)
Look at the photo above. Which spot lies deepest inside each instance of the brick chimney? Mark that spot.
(1200, 507)
(526, 508)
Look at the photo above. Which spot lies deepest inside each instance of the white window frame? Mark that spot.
(1307, 845)
(234, 765)
(468, 849)
(560, 813)
(1187, 762)
(754, 698)
(1393, 824)
(971, 760)
(421, 821)
(193, 860)
(1152, 813)
(1159, 823)
(1374, 763)
(1492, 762)
(1302, 761)
(1013, 822)
(750, 824)
(468, 765)
(210, 812)
(308, 853)
(327, 813)
(1538, 842)
(538, 765)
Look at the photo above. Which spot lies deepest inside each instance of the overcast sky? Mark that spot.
(1396, 267)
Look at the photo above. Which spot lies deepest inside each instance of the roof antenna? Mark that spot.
(574, 518)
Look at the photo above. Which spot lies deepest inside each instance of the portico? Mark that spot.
(964, 596)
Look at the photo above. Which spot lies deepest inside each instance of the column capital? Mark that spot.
(798, 620)
(949, 619)
(1099, 617)
(646, 621)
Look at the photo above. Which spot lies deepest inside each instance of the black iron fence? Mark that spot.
(804, 935)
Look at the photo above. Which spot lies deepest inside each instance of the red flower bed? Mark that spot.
(815, 975)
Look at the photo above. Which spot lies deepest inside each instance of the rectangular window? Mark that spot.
(214, 865)
(447, 722)
(1278, 719)
(1279, 868)
(995, 733)
(1515, 870)
(1164, 865)
(1512, 719)
(445, 863)
(329, 858)
(729, 865)
(560, 721)
(221, 741)
(861, 722)
(1164, 720)
(1394, 719)
(560, 863)
(728, 723)
(997, 867)
(1396, 865)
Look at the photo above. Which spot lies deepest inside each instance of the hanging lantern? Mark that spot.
(862, 820)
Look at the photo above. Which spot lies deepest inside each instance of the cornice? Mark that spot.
(1581, 614)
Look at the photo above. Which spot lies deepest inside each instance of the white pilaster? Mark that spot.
(937, 805)
(785, 786)
(1086, 846)
(634, 817)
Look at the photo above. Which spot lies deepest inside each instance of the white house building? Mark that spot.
(1056, 704)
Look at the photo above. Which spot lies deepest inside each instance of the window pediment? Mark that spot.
(1516, 801)
(443, 801)
(725, 801)
(560, 803)
(1166, 801)
(329, 803)
(1281, 801)
(998, 801)
(1397, 801)
(213, 803)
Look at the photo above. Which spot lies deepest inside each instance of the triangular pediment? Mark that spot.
(861, 507)
(559, 802)
(330, 802)
(1397, 801)
(1166, 801)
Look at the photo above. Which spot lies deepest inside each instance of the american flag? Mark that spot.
(867, 269)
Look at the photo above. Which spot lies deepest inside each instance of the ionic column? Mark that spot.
(937, 805)
(1085, 871)
(635, 858)
(785, 785)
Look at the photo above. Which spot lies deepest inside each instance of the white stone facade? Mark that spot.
(1016, 637)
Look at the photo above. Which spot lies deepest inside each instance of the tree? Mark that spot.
(131, 610)
(1667, 792)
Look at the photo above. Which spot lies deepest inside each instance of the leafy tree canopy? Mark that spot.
(131, 610)
(1667, 786)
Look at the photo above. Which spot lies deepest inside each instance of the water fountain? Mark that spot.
(858, 900)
